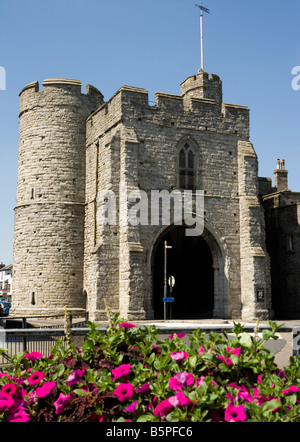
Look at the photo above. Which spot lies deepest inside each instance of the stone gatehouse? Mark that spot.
(75, 150)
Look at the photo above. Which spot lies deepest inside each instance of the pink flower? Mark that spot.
(75, 377)
(33, 355)
(45, 389)
(178, 356)
(163, 408)
(179, 335)
(180, 400)
(61, 402)
(143, 389)
(233, 351)
(180, 381)
(132, 407)
(36, 378)
(19, 416)
(291, 390)
(126, 325)
(201, 350)
(124, 392)
(120, 371)
(6, 401)
(9, 389)
(235, 413)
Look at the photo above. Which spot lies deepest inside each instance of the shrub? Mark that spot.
(129, 375)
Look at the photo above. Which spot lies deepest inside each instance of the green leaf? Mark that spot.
(80, 392)
(147, 418)
(193, 361)
(246, 340)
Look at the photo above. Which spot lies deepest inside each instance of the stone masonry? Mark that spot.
(75, 148)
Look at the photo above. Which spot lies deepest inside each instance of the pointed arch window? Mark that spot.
(187, 168)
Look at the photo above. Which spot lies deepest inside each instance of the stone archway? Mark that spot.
(198, 268)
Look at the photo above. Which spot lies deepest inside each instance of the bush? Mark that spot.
(128, 375)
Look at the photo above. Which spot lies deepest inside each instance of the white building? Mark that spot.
(6, 281)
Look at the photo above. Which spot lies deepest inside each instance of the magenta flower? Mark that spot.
(6, 401)
(164, 408)
(179, 335)
(61, 402)
(126, 325)
(132, 407)
(36, 378)
(233, 351)
(75, 377)
(181, 381)
(291, 390)
(19, 416)
(124, 392)
(178, 356)
(33, 355)
(9, 389)
(143, 389)
(120, 371)
(45, 389)
(235, 413)
(180, 400)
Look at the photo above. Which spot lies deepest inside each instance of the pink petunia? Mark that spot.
(61, 402)
(45, 389)
(179, 356)
(181, 381)
(235, 413)
(180, 400)
(143, 389)
(164, 408)
(9, 388)
(132, 407)
(36, 377)
(178, 335)
(120, 371)
(124, 392)
(75, 377)
(233, 351)
(291, 390)
(19, 416)
(126, 325)
(33, 356)
(6, 401)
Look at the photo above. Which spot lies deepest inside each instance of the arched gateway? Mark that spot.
(197, 264)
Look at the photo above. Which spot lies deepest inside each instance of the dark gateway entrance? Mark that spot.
(190, 262)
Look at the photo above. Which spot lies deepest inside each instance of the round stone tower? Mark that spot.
(49, 213)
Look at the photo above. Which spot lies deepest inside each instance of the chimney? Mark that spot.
(281, 176)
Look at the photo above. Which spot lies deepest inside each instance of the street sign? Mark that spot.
(168, 299)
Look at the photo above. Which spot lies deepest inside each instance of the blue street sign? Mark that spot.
(168, 299)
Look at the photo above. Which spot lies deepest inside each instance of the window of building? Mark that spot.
(187, 168)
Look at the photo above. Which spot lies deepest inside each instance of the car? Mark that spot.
(4, 308)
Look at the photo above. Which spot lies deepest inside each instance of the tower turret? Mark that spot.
(49, 214)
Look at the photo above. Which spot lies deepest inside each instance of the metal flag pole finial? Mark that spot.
(202, 8)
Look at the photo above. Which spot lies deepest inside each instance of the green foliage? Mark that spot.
(129, 374)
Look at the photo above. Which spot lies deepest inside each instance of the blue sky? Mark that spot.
(252, 45)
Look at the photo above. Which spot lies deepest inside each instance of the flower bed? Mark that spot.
(128, 375)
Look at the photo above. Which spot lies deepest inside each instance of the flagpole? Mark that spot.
(202, 8)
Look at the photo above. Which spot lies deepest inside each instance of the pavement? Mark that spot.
(282, 348)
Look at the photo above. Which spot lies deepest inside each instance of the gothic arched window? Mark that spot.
(187, 168)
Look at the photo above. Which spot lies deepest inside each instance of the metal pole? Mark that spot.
(165, 281)
(202, 52)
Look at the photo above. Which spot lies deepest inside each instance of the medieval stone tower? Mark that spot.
(77, 151)
(49, 215)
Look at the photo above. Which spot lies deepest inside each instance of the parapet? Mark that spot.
(62, 87)
(203, 86)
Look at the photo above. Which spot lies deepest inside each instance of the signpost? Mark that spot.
(166, 300)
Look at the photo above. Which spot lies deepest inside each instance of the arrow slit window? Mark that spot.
(187, 168)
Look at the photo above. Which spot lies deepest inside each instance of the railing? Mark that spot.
(43, 340)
